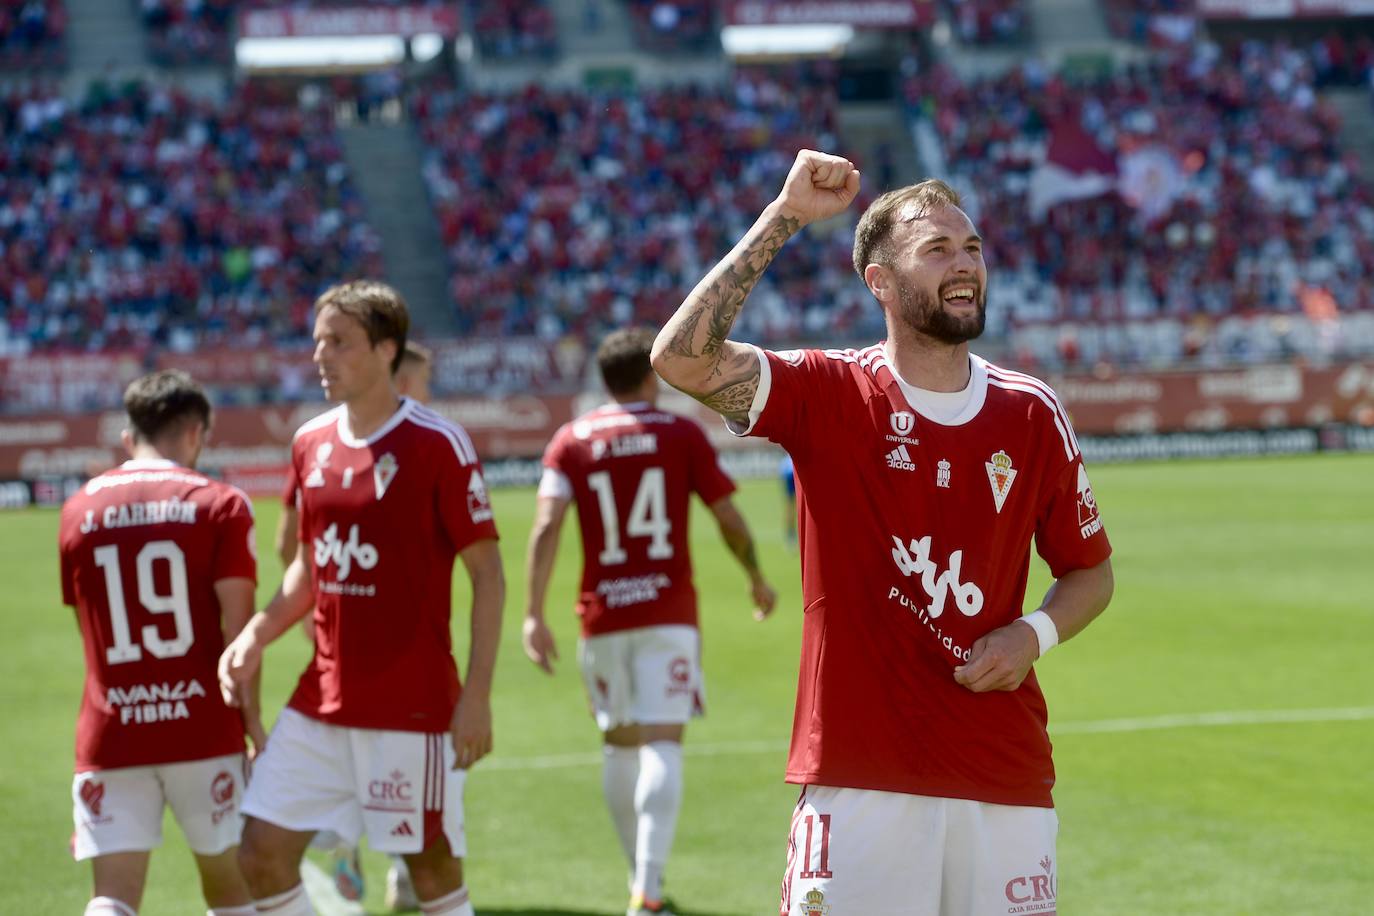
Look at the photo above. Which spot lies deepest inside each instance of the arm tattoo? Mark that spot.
(734, 398)
(681, 344)
(723, 296)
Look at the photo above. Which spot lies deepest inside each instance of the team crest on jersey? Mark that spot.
(813, 904)
(1089, 522)
(942, 474)
(383, 472)
(479, 505)
(1001, 475)
(903, 422)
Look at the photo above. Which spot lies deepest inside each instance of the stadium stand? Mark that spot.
(987, 21)
(1235, 196)
(574, 212)
(32, 34)
(183, 32)
(144, 216)
(684, 25)
(514, 28)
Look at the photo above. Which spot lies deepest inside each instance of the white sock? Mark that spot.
(109, 906)
(454, 904)
(290, 903)
(658, 796)
(246, 909)
(619, 774)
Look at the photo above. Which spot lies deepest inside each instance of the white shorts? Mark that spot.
(892, 854)
(398, 788)
(646, 676)
(121, 810)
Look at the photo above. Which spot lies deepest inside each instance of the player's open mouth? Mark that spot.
(960, 295)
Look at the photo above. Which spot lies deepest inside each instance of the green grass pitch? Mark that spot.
(1244, 609)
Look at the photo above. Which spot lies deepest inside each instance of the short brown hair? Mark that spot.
(376, 306)
(623, 359)
(417, 353)
(875, 226)
(161, 402)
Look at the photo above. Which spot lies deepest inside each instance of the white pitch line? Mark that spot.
(1090, 727)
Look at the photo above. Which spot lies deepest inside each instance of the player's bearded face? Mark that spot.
(927, 313)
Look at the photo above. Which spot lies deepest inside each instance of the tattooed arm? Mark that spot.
(693, 352)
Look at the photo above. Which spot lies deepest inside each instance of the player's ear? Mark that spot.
(879, 281)
(387, 349)
(126, 439)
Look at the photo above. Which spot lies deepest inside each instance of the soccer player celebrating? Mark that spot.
(632, 468)
(391, 493)
(159, 563)
(412, 380)
(924, 473)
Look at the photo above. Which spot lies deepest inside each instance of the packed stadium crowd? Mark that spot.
(1234, 194)
(574, 212)
(32, 33)
(988, 21)
(143, 215)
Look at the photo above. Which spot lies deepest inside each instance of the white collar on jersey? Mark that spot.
(346, 435)
(948, 408)
(148, 464)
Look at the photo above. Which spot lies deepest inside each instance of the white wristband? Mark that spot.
(1046, 633)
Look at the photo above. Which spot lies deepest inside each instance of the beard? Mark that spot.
(926, 314)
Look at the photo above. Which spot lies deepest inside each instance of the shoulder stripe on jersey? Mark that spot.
(247, 501)
(1022, 379)
(844, 356)
(462, 445)
(1070, 447)
(329, 416)
(457, 429)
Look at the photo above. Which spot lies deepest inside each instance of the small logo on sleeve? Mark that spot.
(1089, 522)
(479, 505)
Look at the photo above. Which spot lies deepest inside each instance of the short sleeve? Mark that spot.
(709, 480)
(236, 549)
(1069, 533)
(780, 409)
(291, 489)
(464, 503)
(68, 567)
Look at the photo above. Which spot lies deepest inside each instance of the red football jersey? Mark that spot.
(142, 547)
(632, 470)
(915, 541)
(383, 519)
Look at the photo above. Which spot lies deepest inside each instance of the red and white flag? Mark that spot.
(1075, 168)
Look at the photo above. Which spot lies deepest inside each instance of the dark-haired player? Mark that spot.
(160, 564)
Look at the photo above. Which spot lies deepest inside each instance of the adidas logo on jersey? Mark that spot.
(402, 829)
(900, 459)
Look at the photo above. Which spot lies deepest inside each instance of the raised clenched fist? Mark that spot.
(818, 186)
